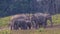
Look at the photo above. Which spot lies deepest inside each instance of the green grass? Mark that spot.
(56, 20)
(4, 21)
(43, 31)
(6, 31)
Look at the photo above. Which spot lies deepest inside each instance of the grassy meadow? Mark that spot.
(5, 30)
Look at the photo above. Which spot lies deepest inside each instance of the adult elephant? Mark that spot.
(41, 19)
(20, 21)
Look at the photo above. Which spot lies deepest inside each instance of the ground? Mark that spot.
(4, 29)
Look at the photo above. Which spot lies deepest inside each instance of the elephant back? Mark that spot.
(18, 17)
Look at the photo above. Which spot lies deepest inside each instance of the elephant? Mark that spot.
(37, 21)
(14, 22)
(22, 24)
(41, 19)
(25, 21)
(20, 21)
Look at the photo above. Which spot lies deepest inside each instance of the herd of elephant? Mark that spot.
(28, 21)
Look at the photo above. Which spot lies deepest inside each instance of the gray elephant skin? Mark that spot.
(20, 21)
(40, 19)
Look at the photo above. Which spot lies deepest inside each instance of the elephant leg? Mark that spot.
(36, 26)
(44, 24)
(50, 19)
(40, 25)
(16, 27)
(23, 26)
(11, 27)
(33, 24)
(29, 25)
(51, 22)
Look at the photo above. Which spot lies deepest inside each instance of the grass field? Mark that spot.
(4, 29)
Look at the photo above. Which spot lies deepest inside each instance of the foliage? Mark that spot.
(11, 7)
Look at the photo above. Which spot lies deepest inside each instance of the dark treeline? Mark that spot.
(12, 7)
